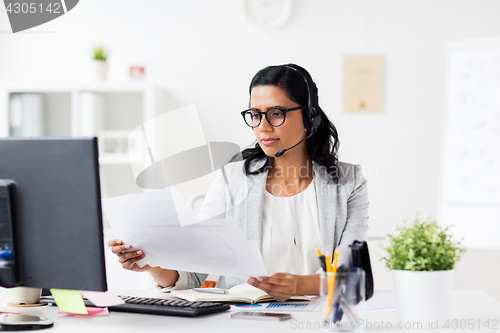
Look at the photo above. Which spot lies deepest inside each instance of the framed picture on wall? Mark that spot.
(363, 83)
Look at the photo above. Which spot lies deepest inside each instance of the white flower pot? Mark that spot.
(423, 296)
(25, 295)
(100, 69)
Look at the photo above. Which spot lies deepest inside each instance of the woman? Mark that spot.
(289, 193)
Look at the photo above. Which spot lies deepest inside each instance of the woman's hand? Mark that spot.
(164, 277)
(281, 286)
(128, 259)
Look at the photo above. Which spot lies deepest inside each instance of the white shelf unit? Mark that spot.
(125, 105)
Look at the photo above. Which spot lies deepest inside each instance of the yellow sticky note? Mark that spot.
(69, 300)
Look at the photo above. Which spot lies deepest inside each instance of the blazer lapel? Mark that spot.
(326, 194)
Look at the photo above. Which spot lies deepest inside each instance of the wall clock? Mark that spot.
(268, 14)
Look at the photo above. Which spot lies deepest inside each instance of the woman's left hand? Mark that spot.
(279, 285)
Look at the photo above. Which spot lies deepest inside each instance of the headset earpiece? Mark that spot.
(315, 122)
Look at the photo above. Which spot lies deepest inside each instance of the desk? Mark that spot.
(476, 305)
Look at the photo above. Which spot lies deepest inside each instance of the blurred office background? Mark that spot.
(206, 52)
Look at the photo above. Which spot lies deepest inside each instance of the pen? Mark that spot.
(211, 290)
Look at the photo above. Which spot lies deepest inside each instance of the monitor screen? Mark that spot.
(57, 211)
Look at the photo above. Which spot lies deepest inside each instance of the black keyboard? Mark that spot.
(159, 306)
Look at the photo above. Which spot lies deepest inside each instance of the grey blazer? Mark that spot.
(342, 207)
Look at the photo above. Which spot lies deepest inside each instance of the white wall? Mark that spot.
(205, 52)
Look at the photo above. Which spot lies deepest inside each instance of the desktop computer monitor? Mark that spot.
(56, 213)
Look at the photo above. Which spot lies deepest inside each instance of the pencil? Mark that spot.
(322, 261)
(318, 252)
(329, 279)
(332, 268)
(328, 263)
(335, 257)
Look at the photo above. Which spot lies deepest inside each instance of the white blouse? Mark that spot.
(290, 230)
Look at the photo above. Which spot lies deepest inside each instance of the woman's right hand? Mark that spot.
(164, 277)
(128, 259)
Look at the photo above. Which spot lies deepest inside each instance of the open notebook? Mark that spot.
(243, 293)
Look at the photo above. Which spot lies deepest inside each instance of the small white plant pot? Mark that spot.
(100, 69)
(423, 296)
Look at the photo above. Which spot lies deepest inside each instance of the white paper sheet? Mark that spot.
(99, 298)
(150, 221)
(380, 303)
(184, 212)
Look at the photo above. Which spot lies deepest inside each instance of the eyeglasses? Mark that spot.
(275, 116)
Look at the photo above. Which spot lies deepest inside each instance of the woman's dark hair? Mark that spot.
(323, 145)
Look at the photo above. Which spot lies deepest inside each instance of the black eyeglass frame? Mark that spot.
(284, 110)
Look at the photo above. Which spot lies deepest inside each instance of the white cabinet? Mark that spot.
(107, 110)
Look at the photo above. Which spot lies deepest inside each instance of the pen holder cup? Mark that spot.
(342, 299)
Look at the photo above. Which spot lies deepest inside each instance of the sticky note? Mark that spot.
(69, 300)
(91, 312)
(102, 298)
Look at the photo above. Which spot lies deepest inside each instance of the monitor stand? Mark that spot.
(25, 297)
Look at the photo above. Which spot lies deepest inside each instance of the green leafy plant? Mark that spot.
(100, 53)
(422, 245)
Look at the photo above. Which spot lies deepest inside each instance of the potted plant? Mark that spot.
(422, 257)
(100, 64)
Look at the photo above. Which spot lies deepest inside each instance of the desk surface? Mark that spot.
(473, 305)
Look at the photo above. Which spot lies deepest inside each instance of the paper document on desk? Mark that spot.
(161, 224)
(380, 303)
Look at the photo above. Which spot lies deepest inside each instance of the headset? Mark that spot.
(312, 120)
